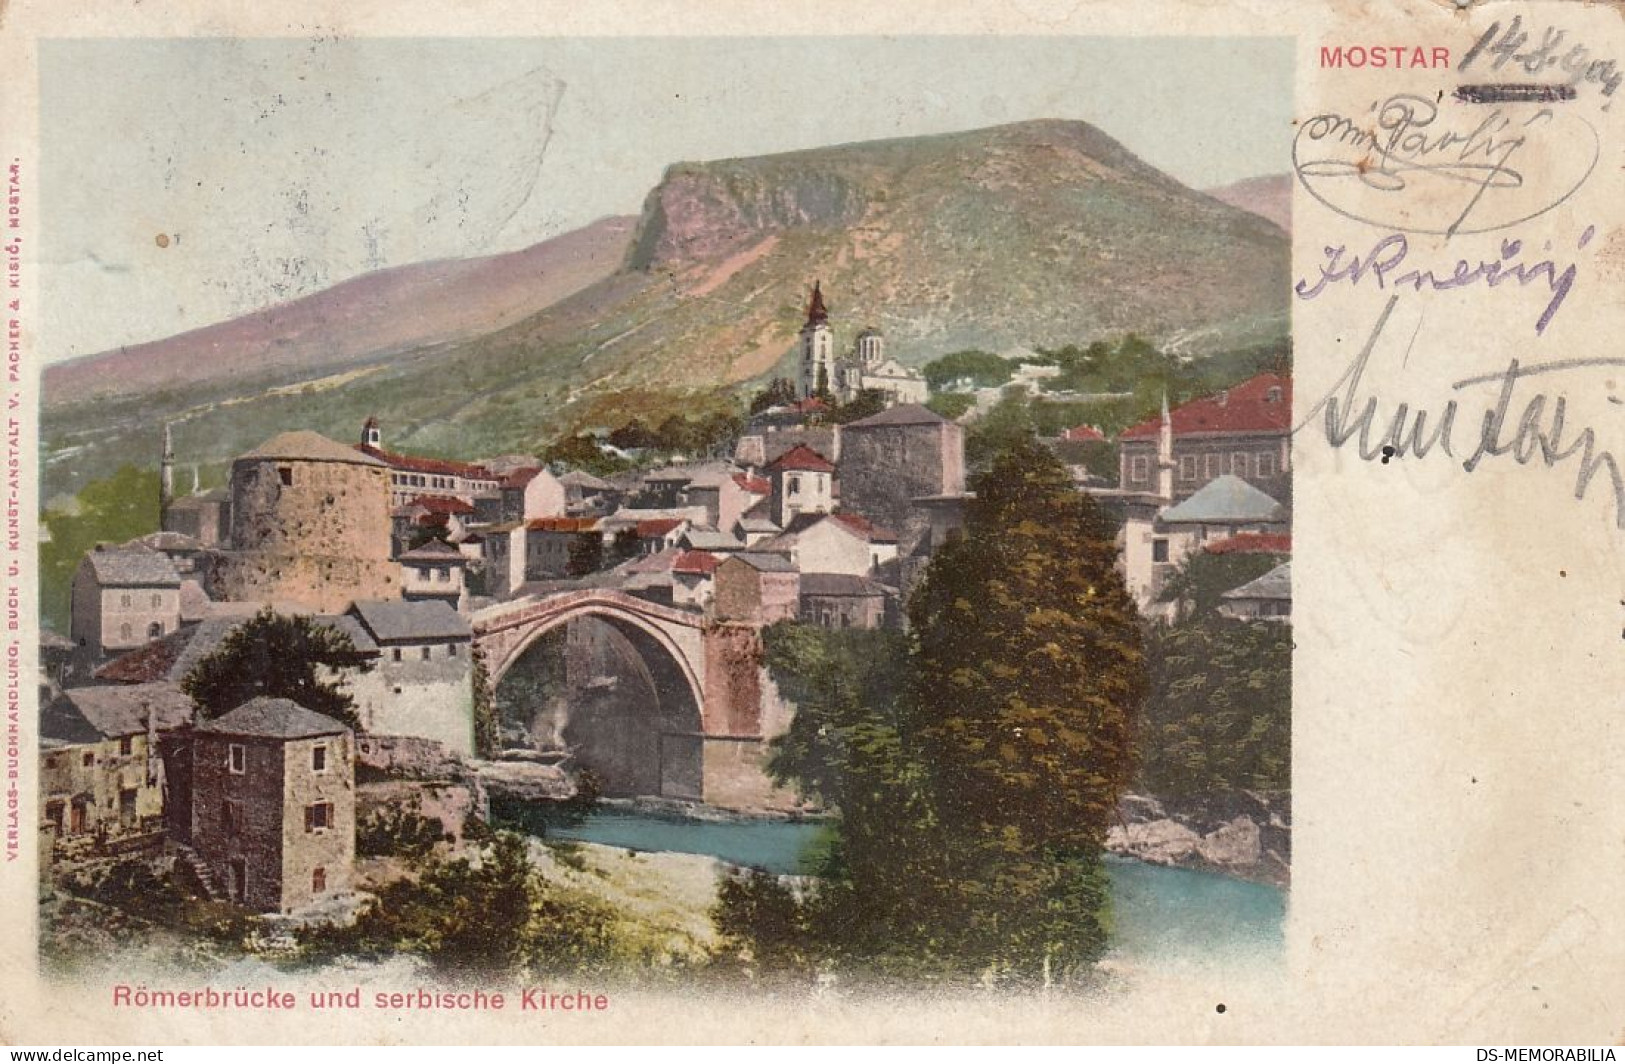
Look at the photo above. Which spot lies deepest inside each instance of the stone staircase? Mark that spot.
(198, 869)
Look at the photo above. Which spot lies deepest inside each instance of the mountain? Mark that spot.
(358, 320)
(1033, 234)
(1268, 196)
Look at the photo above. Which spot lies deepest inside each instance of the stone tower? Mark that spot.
(309, 526)
(817, 348)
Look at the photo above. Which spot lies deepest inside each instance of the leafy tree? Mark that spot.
(951, 405)
(1008, 424)
(278, 657)
(1028, 681)
(983, 368)
(586, 554)
(868, 402)
(1219, 718)
(779, 392)
(487, 725)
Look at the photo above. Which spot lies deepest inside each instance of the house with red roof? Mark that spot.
(411, 476)
(1242, 432)
(803, 481)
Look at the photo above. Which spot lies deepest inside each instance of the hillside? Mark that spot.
(358, 320)
(1038, 233)
(1269, 196)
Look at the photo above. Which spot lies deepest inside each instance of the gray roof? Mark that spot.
(398, 621)
(904, 414)
(132, 567)
(90, 714)
(579, 478)
(436, 550)
(1275, 584)
(351, 627)
(704, 539)
(840, 585)
(305, 446)
(1225, 500)
(765, 562)
(273, 718)
(167, 541)
(757, 524)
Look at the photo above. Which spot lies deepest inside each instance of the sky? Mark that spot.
(190, 181)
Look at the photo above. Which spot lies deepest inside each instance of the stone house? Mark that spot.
(1243, 432)
(693, 578)
(101, 769)
(530, 493)
(437, 571)
(422, 680)
(894, 457)
(202, 516)
(562, 546)
(758, 588)
(841, 600)
(411, 476)
(503, 551)
(1268, 598)
(272, 804)
(122, 598)
(802, 481)
(835, 543)
(725, 493)
(1157, 542)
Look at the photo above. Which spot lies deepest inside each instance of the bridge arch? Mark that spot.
(644, 732)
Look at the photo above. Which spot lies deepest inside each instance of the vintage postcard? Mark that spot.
(976, 522)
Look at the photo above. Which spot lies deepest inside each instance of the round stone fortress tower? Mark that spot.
(309, 526)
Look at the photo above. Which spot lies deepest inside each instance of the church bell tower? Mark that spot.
(817, 348)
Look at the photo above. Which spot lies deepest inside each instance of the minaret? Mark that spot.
(1165, 454)
(166, 479)
(817, 348)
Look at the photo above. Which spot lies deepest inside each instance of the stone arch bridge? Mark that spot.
(704, 734)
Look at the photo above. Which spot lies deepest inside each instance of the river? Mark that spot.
(1158, 912)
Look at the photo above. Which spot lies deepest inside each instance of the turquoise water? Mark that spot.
(1157, 911)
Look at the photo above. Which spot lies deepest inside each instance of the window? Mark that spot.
(1159, 550)
(442, 573)
(285, 474)
(318, 881)
(126, 745)
(89, 760)
(155, 630)
(1212, 467)
(793, 485)
(1266, 465)
(1187, 467)
(318, 758)
(231, 817)
(124, 601)
(425, 653)
(237, 758)
(397, 653)
(451, 651)
(1238, 464)
(125, 632)
(318, 816)
(1140, 468)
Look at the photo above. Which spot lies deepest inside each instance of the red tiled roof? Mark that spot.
(864, 527)
(1085, 434)
(802, 459)
(414, 464)
(520, 478)
(657, 526)
(1252, 543)
(443, 504)
(754, 485)
(562, 524)
(696, 561)
(1245, 408)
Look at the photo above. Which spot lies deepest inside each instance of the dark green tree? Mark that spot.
(779, 392)
(114, 510)
(1219, 718)
(1198, 585)
(278, 657)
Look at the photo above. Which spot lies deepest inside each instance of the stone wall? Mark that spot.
(255, 835)
(305, 849)
(885, 467)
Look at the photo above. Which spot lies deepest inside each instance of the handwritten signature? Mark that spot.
(1382, 264)
(1398, 170)
(1538, 433)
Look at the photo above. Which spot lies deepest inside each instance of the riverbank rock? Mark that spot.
(1245, 834)
(527, 781)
